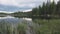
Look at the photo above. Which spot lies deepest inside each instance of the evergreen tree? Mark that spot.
(43, 9)
(34, 11)
(48, 10)
(40, 10)
(53, 8)
(58, 8)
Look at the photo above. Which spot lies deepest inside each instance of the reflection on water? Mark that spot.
(11, 19)
(28, 19)
(13, 25)
(6, 17)
(15, 20)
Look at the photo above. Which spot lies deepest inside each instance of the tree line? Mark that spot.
(47, 10)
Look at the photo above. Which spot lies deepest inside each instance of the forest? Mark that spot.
(47, 10)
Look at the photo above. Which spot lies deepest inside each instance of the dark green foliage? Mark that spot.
(47, 10)
(35, 11)
(58, 8)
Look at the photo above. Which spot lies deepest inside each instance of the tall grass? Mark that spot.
(51, 26)
(8, 28)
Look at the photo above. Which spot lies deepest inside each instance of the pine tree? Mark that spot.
(58, 8)
(34, 11)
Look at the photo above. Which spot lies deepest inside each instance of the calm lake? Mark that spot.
(16, 20)
(11, 19)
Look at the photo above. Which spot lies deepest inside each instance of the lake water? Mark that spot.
(30, 25)
(11, 19)
(14, 20)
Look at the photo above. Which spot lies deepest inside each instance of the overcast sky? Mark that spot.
(22, 3)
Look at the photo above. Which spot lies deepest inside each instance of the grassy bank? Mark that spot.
(9, 28)
(40, 26)
(51, 26)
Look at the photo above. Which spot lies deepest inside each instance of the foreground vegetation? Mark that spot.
(39, 26)
(47, 27)
(9, 28)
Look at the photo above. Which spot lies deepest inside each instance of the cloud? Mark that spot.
(23, 3)
(8, 2)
